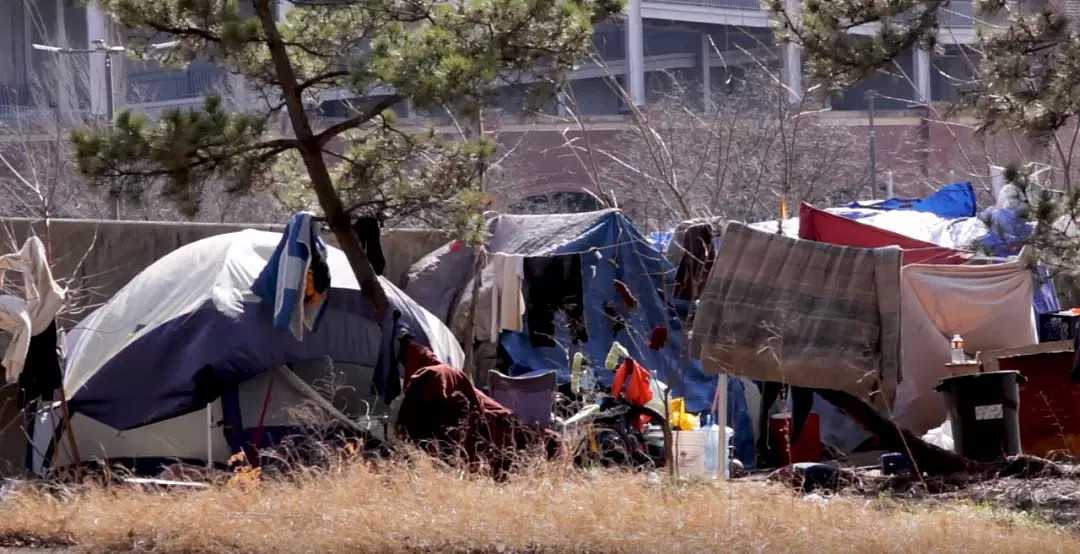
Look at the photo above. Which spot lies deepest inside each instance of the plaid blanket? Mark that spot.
(801, 312)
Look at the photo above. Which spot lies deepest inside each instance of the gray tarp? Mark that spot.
(442, 282)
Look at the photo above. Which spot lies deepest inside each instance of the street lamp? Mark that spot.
(100, 46)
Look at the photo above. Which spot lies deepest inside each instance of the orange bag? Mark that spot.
(636, 380)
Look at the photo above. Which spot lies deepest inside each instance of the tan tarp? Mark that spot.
(97, 258)
(988, 305)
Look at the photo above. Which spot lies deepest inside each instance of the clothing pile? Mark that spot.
(442, 412)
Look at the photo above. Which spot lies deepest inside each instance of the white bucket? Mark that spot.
(689, 452)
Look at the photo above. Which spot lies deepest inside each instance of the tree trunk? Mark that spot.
(311, 153)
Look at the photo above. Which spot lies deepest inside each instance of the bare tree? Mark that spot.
(741, 154)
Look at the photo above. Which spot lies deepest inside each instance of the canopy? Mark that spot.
(187, 326)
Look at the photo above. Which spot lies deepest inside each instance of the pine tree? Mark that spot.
(432, 55)
(1027, 80)
(1029, 66)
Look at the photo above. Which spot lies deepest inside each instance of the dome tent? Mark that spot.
(188, 330)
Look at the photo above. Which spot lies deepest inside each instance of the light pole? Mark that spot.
(872, 95)
(100, 46)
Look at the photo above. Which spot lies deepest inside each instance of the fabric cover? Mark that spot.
(989, 306)
(143, 356)
(822, 226)
(443, 412)
(951, 201)
(804, 313)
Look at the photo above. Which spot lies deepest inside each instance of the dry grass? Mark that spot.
(415, 507)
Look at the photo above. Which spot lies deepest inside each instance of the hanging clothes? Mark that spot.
(696, 262)
(15, 320)
(33, 314)
(367, 230)
(296, 279)
(636, 381)
(42, 375)
(554, 285)
(507, 302)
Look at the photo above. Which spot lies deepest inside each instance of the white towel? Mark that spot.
(507, 302)
(24, 318)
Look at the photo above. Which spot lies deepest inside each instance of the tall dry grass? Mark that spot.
(413, 506)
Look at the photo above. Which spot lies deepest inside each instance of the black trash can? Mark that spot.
(983, 411)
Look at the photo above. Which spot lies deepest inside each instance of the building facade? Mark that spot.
(703, 44)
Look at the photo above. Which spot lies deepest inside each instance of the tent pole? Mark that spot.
(721, 421)
(66, 415)
(209, 437)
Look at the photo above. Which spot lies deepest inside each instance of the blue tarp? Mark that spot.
(951, 201)
(613, 249)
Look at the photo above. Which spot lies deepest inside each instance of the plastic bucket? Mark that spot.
(689, 452)
(983, 411)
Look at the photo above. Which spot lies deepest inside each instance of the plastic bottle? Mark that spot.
(958, 356)
(575, 372)
(712, 447)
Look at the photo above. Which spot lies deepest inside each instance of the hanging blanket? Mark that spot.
(988, 305)
(801, 312)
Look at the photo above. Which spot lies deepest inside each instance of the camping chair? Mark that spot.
(529, 397)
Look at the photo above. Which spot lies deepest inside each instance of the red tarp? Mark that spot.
(822, 226)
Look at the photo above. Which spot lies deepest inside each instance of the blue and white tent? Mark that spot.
(188, 328)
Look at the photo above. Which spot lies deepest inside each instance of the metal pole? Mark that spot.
(871, 95)
(108, 87)
(109, 107)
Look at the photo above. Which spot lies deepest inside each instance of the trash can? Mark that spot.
(983, 411)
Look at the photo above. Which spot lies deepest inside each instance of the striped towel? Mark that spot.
(296, 279)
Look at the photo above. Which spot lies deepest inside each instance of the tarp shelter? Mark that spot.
(822, 226)
(938, 302)
(988, 305)
(188, 329)
(902, 227)
(951, 201)
(608, 248)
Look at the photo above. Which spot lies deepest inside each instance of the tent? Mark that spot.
(605, 247)
(187, 332)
